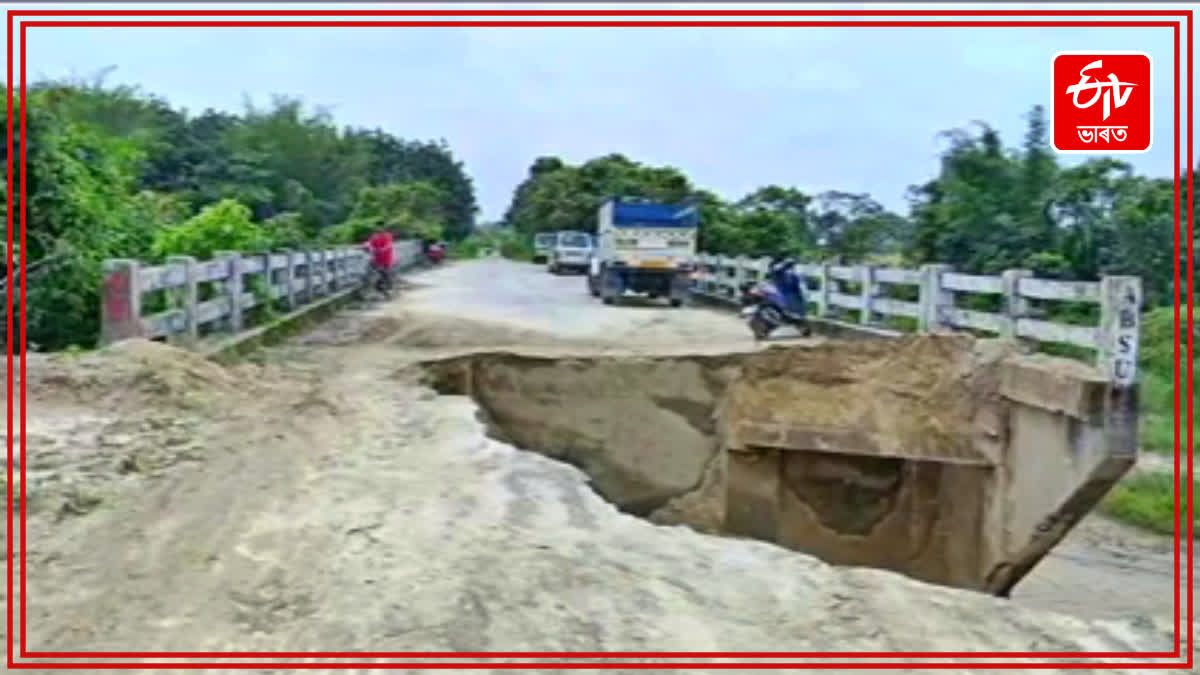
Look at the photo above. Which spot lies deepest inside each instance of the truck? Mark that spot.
(645, 248)
(542, 243)
(571, 251)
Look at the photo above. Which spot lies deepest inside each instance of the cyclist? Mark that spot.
(379, 245)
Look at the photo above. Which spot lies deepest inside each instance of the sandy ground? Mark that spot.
(320, 499)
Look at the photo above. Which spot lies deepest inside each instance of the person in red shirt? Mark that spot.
(382, 254)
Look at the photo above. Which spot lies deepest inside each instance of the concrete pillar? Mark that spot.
(823, 291)
(866, 275)
(121, 311)
(331, 270)
(1120, 314)
(1015, 306)
(187, 291)
(233, 287)
(324, 285)
(289, 278)
(933, 298)
(310, 261)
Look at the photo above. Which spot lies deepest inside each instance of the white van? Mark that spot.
(572, 251)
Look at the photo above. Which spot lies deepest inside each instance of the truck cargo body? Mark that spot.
(644, 248)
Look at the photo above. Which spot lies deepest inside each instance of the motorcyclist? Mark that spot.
(782, 272)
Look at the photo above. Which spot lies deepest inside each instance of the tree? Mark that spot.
(115, 173)
(407, 210)
(556, 196)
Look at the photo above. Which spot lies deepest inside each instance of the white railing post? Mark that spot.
(933, 298)
(289, 278)
(1015, 306)
(268, 278)
(233, 287)
(823, 291)
(1120, 307)
(191, 328)
(866, 275)
(310, 261)
(739, 275)
(323, 266)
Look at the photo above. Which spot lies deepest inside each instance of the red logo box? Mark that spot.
(1102, 103)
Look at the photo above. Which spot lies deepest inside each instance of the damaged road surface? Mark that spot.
(927, 455)
(327, 497)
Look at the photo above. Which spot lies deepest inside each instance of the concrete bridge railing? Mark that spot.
(297, 280)
(1114, 337)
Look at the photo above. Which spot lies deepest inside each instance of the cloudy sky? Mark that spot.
(854, 109)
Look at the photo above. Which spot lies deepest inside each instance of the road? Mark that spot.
(322, 498)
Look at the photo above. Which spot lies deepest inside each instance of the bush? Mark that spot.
(516, 247)
(286, 230)
(224, 226)
(467, 249)
(1158, 341)
(509, 243)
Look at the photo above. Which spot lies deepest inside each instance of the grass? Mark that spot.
(1147, 500)
(1158, 413)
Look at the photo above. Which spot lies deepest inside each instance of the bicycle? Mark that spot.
(379, 279)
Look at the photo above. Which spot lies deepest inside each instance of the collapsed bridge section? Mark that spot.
(950, 459)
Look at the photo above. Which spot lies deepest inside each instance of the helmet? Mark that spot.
(779, 263)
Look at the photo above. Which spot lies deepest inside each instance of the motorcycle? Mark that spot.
(435, 254)
(764, 307)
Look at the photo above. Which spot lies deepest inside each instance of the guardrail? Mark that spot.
(1114, 338)
(292, 279)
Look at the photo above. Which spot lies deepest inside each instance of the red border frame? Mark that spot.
(1175, 25)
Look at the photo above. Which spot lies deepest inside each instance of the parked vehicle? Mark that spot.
(765, 309)
(436, 253)
(572, 251)
(543, 242)
(645, 248)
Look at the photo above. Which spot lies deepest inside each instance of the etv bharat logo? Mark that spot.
(1101, 102)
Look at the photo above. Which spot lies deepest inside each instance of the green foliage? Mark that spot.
(507, 242)
(115, 173)
(407, 210)
(224, 226)
(394, 161)
(468, 249)
(1157, 365)
(772, 220)
(286, 230)
(1148, 501)
(556, 196)
(1158, 343)
(990, 209)
(517, 247)
(79, 186)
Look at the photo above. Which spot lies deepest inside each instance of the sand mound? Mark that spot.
(135, 373)
(918, 396)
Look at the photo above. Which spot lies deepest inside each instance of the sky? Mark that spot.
(856, 109)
